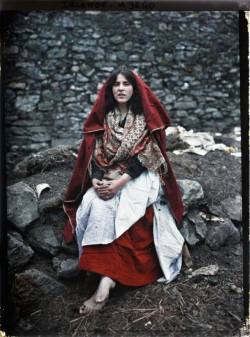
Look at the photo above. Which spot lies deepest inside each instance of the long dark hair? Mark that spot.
(135, 101)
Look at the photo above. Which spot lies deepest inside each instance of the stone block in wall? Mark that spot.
(193, 120)
(54, 43)
(62, 141)
(35, 147)
(11, 50)
(80, 57)
(81, 78)
(33, 72)
(17, 85)
(169, 98)
(183, 113)
(74, 107)
(45, 106)
(37, 46)
(79, 48)
(57, 53)
(185, 105)
(33, 133)
(27, 103)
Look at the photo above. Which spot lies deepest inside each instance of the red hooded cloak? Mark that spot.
(157, 121)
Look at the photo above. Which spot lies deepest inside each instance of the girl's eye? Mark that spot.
(116, 84)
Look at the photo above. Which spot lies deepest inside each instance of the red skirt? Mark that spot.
(131, 259)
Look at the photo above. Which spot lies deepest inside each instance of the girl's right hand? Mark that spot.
(96, 183)
(101, 189)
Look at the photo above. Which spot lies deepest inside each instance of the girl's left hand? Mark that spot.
(114, 186)
(110, 188)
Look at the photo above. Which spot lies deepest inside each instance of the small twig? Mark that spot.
(75, 320)
(165, 318)
(113, 331)
(169, 286)
(139, 319)
(192, 319)
(74, 154)
(186, 285)
(35, 312)
(145, 316)
(143, 300)
(182, 302)
(235, 316)
(78, 327)
(136, 309)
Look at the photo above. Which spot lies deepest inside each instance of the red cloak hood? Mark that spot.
(156, 119)
(156, 116)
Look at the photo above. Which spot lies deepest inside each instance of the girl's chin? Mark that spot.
(122, 100)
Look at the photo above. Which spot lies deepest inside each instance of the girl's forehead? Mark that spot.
(121, 78)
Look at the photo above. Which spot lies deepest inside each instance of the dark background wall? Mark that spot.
(54, 62)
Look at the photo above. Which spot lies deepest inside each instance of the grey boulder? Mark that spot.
(189, 233)
(43, 239)
(22, 205)
(195, 217)
(233, 208)
(33, 289)
(192, 192)
(70, 248)
(19, 253)
(222, 233)
(66, 268)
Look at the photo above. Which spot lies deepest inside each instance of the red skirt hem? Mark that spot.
(131, 259)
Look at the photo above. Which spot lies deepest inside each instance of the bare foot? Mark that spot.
(105, 285)
(90, 306)
(97, 301)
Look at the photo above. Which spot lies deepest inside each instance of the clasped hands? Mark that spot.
(106, 189)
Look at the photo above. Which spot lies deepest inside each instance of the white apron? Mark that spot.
(102, 221)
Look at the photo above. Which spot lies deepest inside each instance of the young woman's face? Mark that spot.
(122, 89)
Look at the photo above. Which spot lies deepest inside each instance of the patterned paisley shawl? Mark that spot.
(117, 145)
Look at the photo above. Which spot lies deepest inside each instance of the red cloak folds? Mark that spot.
(157, 121)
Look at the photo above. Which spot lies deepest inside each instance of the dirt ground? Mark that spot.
(198, 306)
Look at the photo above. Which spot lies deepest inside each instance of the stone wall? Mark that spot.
(55, 61)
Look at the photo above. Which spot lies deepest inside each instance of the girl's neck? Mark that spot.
(123, 108)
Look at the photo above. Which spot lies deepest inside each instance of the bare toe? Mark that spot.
(83, 310)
